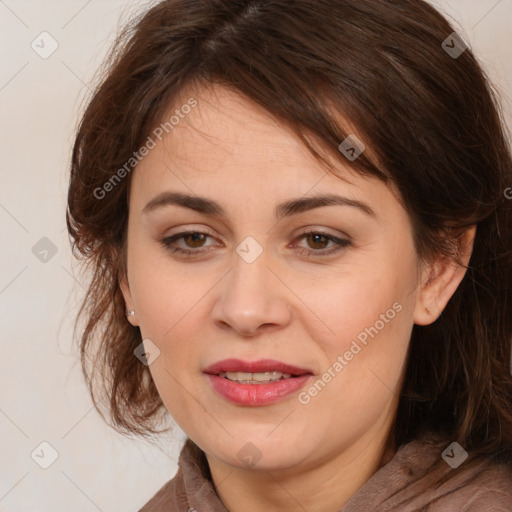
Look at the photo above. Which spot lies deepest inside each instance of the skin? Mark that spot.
(299, 308)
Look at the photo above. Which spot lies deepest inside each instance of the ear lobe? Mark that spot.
(441, 278)
(127, 295)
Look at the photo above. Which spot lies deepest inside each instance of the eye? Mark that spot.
(192, 239)
(318, 240)
(195, 243)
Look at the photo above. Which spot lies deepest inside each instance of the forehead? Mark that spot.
(229, 145)
(226, 128)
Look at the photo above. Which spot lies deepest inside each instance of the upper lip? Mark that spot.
(261, 365)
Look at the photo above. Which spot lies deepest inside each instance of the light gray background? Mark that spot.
(42, 395)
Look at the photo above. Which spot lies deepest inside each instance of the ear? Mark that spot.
(127, 294)
(440, 279)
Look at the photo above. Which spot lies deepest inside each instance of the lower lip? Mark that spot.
(256, 394)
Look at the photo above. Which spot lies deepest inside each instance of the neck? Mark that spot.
(321, 486)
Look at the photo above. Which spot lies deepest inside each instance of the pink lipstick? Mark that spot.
(256, 383)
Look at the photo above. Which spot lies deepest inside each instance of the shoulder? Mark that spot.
(190, 489)
(478, 485)
(420, 478)
(165, 498)
(487, 488)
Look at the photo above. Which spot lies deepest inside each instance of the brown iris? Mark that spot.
(196, 238)
(316, 237)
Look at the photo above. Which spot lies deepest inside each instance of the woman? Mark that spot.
(300, 239)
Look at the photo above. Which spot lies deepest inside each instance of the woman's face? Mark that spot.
(337, 304)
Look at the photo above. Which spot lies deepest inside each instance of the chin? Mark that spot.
(257, 453)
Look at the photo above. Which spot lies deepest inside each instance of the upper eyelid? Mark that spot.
(308, 229)
(336, 239)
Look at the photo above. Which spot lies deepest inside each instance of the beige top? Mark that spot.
(399, 485)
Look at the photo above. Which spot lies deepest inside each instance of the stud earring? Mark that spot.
(130, 312)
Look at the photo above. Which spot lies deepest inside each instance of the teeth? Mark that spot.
(255, 378)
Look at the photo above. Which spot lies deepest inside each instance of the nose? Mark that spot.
(251, 299)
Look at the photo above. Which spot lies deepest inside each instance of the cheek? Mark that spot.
(366, 321)
(358, 305)
(164, 293)
(364, 358)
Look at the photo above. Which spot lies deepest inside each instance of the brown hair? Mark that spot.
(433, 122)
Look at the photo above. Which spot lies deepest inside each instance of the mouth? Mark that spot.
(256, 383)
(255, 378)
(263, 371)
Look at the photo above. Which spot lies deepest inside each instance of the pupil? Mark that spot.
(316, 239)
(195, 237)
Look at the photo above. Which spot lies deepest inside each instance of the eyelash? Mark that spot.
(340, 243)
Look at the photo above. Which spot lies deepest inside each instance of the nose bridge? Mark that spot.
(251, 296)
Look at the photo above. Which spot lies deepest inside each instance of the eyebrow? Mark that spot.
(286, 209)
